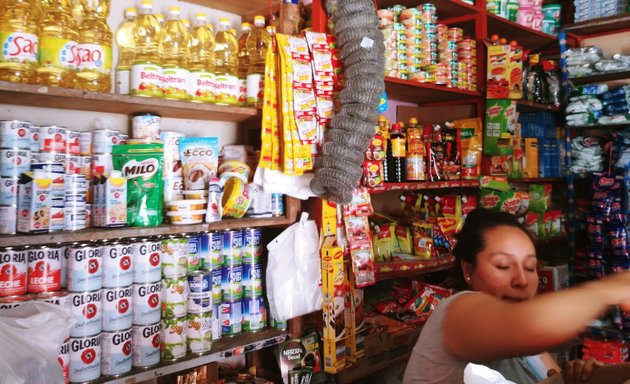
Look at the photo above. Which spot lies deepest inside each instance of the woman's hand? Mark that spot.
(578, 371)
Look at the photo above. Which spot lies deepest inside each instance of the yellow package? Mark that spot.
(403, 236)
(382, 243)
(266, 134)
(286, 138)
(423, 240)
(530, 160)
(471, 146)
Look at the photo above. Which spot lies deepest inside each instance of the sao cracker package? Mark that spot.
(142, 164)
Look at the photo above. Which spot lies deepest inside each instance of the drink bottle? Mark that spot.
(175, 56)
(126, 50)
(146, 68)
(18, 38)
(95, 48)
(257, 44)
(226, 79)
(243, 62)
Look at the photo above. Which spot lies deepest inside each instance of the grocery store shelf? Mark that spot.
(395, 269)
(524, 36)
(598, 126)
(240, 7)
(445, 8)
(416, 92)
(600, 77)
(127, 232)
(65, 98)
(608, 333)
(537, 180)
(530, 106)
(225, 347)
(420, 185)
(599, 26)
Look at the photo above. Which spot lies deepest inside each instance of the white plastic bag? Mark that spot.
(294, 270)
(30, 340)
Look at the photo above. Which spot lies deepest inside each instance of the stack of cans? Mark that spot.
(15, 158)
(75, 194)
(175, 253)
(467, 55)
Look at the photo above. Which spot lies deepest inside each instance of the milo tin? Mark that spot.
(174, 257)
(173, 338)
(146, 344)
(62, 299)
(200, 292)
(8, 190)
(64, 360)
(147, 261)
(252, 247)
(85, 272)
(217, 290)
(252, 280)
(199, 334)
(87, 313)
(117, 264)
(116, 354)
(254, 314)
(231, 318)
(15, 133)
(117, 308)
(174, 297)
(85, 358)
(194, 244)
(9, 302)
(146, 303)
(232, 247)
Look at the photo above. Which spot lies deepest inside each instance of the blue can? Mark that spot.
(217, 291)
(200, 292)
(252, 280)
(232, 283)
(254, 314)
(205, 255)
(277, 204)
(216, 250)
(194, 244)
(252, 245)
(232, 247)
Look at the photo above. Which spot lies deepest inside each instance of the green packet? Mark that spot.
(142, 165)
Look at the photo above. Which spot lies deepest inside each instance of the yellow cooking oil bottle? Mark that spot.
(18, 38)
(201, 84)
(257, 44)
(95, 48)
(58, 46)
(160, 18)
(77, 12)
(226, 79)
(175, 56)
(186, 24)
(146, 68)
(126, 50)
(243, 62)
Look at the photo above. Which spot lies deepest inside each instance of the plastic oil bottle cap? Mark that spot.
(146, 4)
(224, 21)
(259, 21)
(201, 16)
(131, 12)
(246, 27)
(174, 11)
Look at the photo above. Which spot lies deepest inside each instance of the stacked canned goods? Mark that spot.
(102, 141)
(15, 158)
(175, 263)
(173, 179)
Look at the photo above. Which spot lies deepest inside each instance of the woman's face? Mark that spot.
(506, 267)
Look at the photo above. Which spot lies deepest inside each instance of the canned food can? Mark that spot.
(9, 302)
(15, 133)
(173, 338)
(14, 161)
(252, 280)
(174, 257)
(117, 308)
(231, 317)
(216, 250)
(193, 252)
(200, 292)
(103, 140)
(64, 263)
(199, 334)
(231, 282)
(145, 126)
(73, 164)
(146, 303)
(8, 220)
(73, 146)
(116, 357)
(217, 290)
(47, 158)
(85, 165)
(102, 164)
(146, 345)
(122, 138)
(117, 264)
(64, 360)
(252, 247)
(277, 204)
(87, 313)
(173, 189)
(85, 272)
(216, 322)
(44, 269)
(52, 138)
(85, 143)
(174, 297)
(13, 267)
(147, 261)
(232, 247)
(76, 184)
(8, 190)
(75, 218)
(279, 324)
(254, 314)
(205, 244)
(85, 358)
(62, 299)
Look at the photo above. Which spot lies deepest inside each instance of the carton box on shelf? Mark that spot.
(334, 287)
(553, 278)
(530, 161)
(500, 125)
(34, 203)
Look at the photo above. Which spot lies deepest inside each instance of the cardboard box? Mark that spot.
(530, 160)
(497, 76)
(610, 374)
(500, 125)
(34, 202)
(334, 287)
(553, 278)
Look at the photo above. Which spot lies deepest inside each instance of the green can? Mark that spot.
(174, 297)
(199, 336)
(173, 336)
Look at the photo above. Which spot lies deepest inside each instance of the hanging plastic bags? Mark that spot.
(293, 271)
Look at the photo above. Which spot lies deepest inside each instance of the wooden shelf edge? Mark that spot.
(431, 86)
(600, 77)
(598, 26)
(421, 185)
(407, 268)
(531, 106)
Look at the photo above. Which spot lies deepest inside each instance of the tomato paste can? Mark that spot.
(64, 360)
(174, 257)
(231, 318)
(232, 247)
(85, 267)
(117, 264)
(200, 292)
(87, 312)
(62, 299)
(9, 302)
(147, 260)
(85, 358)
(199, 334)
(146, 345)
(44, 269)
(254, 314)
(174, 297)
(116, 356)
(13, 266)
(217, 290)
(146, 303)
(252, 247)
(252, 280)
(117, 308)
(173, 338)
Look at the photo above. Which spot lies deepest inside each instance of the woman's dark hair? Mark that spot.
(470, 239)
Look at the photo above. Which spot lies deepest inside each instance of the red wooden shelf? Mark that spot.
(537, 180)
(530, 106)
(416, 92)
(526, 37)
(445, 8)
(393, 269)
(599, 26)
(413, 186)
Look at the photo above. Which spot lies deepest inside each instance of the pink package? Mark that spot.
(525, 17)
(537, 21)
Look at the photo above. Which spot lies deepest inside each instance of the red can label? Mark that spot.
(44, 269)
(13, 266)
(64, 361)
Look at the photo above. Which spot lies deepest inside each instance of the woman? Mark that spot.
(497, 319)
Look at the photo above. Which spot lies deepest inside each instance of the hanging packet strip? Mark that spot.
(266, 134)
(304, 102)
(287, 161)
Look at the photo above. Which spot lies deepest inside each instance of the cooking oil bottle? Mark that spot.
(225, 50)
(126, 50)
(160, 18)
(78, 12)
(58, 47)
(243, 63)
(175, 56)
(95, 48)
(257, 44)
(18, 38)
(186, 24)
(201, 82)
(146, 68)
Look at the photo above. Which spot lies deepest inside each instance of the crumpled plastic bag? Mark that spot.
(30, 341)
(480, 374)
(294, 270)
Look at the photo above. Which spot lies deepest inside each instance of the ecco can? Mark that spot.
(61, 298)
(200, 292)
(87, 313)
(85, 358)
(252, 280)
(116, 356)
(64, 360)
(117, 264)
(146, 303)
(194, 245)
(147, 261)
(13, 266)
(85, 272)
(44, 269)
(173, 338)
(254, 314)
(174, 297)
(146, 345)
(217, 290)
(199, 333)
(231, 318)
(117, 308)
(174, 257)
(9, 302)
